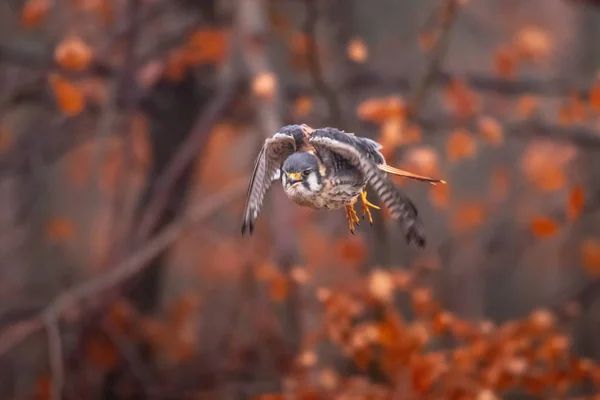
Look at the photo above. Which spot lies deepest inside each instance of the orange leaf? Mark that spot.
(526, 106)
(279, 288)
(381, 285)
(100, 352)
(303, 106)
(264, 84)
(70, 99)
(357, 50)
(176, 65)
(572, 110)
(543, 227)
(468, 216)
(206, 46)
(422, 160)
(34, 12)
(533, 43)
(379, 110)
(439, 195)
(74, 54)
(59, 229)
(461, 98)
(575, 203)
(595, 96)
(352, 250)
(6, 139)
(43, 388)
(491, 130)
(543, 164)
(505, 62)
(460, 145)
(299, 46)
(590, 255)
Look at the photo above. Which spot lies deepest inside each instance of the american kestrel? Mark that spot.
(327, 168)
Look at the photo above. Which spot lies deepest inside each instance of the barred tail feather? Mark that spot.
(400, 206)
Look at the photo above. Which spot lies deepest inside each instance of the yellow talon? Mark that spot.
(352, 216)
(365, 206)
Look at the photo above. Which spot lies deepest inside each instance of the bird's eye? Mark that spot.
(306, 173)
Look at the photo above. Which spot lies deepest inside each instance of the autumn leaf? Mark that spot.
(422, 160)
(59, 229)
(303, 106)
(460, 145)
(572, 110)
(533, 43)
(34, 12)
(468, 216)
(527, 106)
(505, 62)
(381, 285)
(439, 195)
(381, 109)
(352, 250)
(6, 139)
(590, 256)
(100, 352)
(543, 227)
(595, 96)
(357, 50)
(575, 203)
(175, 65)
(73, 54)
(279, 287)
(491, 131)
(70, 99)
(103, 8)
(43, 388)
(264, 85)
(543, 164)
(299, 50)
(461, 99)
(206, 46)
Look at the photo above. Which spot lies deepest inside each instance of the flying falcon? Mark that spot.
(329, 169)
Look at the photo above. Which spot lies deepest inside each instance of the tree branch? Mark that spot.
(449, 13)
(314, 64)
(55, 355)
(77, 296)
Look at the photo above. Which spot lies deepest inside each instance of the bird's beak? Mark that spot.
(293, 178)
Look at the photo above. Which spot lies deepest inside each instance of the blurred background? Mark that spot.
(128, 133)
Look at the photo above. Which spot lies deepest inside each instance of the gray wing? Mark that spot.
(363, 154)
(266, 169)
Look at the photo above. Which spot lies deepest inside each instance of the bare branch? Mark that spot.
(314, 64)
(437, 58)
(94, 287)
(186, 154)
(55, 356)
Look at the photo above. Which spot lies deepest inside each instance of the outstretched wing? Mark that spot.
(363, 154)
(266, 169)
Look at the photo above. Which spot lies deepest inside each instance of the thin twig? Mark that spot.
(437, 57)
(55, 355)
(94, 287)
(314, 64)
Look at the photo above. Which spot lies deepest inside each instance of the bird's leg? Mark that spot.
(365, 206)
(351, 216)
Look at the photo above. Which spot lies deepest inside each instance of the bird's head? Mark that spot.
(300, 172)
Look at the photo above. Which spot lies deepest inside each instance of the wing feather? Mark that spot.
(361, 155)
(266, 169)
